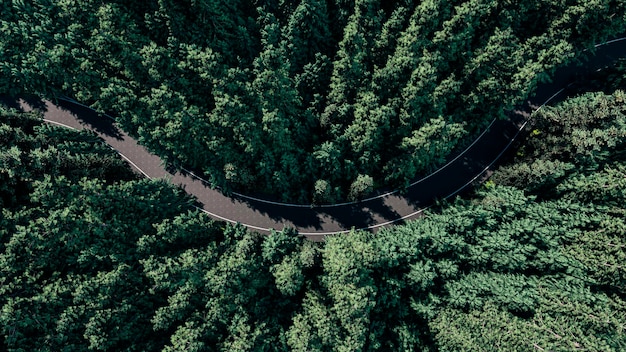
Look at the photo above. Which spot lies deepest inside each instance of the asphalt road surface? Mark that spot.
(465, 169)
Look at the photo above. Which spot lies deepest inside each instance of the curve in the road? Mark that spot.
(316, 222)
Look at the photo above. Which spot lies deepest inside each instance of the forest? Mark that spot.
(303, 101)
(311, 100)
(95, 258)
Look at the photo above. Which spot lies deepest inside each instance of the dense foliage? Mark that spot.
(311, 99)
(534, 261)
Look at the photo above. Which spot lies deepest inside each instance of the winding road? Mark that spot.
(468, 167)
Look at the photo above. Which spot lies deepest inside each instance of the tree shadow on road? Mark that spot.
(34, 102)
(91, 119)
(325, 219)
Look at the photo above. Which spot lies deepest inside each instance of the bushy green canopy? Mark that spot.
(94, 259)
(303, 100)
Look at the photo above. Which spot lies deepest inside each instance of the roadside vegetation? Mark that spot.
(93, 258)
(312, 100)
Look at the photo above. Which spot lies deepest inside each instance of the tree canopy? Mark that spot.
(95, 259)
(306, 100)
